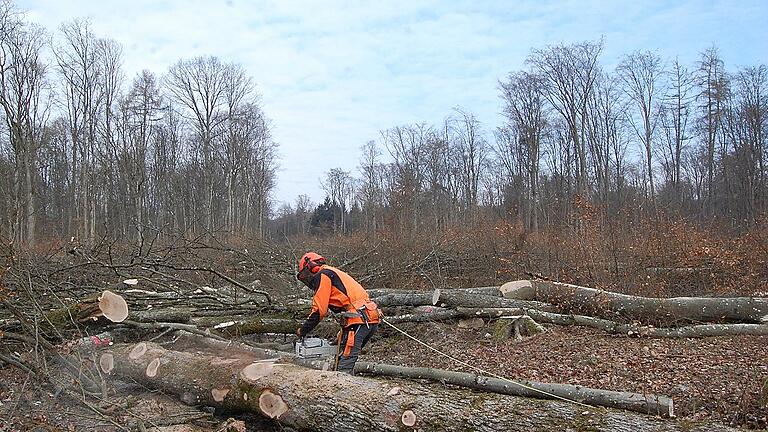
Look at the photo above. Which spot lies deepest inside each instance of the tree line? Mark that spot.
(89, 152)
(649, 137)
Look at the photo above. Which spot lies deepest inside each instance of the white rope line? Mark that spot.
(482, 371)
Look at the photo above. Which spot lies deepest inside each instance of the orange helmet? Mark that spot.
(309, 264)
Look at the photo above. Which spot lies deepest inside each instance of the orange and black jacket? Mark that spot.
(339, 292)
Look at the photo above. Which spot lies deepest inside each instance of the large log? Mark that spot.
(404, 299)
(701, 330)
(488, 291)
(454, 298)
(606, 304)
(644, 403)
(691, 331)
(271, 325)
(304, 399)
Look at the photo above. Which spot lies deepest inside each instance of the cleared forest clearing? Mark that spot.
(211, 292)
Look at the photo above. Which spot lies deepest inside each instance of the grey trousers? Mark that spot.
(362, 334)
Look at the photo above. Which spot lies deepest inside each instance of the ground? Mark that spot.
(718, 378)
(722, 379)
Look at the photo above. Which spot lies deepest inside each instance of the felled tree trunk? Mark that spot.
(702, 330)
(648, 404)
(590, 301)
(456, 297)
(304, 398)
(97, 309)
(488, 291)
(269, 325)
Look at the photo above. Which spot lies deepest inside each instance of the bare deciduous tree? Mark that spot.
(23, 96)
(641, 72)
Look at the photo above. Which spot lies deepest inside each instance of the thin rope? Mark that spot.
(482, 371)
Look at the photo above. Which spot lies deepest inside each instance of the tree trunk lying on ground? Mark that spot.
(590, 301)
(270, 325)
(304, 398)
(702, 330)
(647, 404)
(492, 291)
(455, 298)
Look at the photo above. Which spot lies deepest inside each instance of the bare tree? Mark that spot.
(713, 87)
(470, 145)
(407, 145)
(200, 85)
(746, 125)
(371, 193)
(142, 113)
(339, 187)
(674, 117)
(525, 110)
(604, 132)
(569, 73)
(641, 72)
(23, 97)
(79, 64)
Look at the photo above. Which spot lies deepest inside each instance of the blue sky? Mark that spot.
(332, 74)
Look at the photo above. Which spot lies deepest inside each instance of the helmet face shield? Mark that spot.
(304, 275)
(309, 265)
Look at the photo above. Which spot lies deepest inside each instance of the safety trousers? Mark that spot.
(353, 339)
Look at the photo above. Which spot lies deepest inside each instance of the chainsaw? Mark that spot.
(314, 348)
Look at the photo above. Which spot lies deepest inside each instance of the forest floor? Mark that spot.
(723, 379)
(718, 379)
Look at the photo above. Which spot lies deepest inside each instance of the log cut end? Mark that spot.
(272, 405)
(256, 371)
(219, 394)
(518, 290)
(138, 351)
(107, 362)
(113, 306)
(152, 367)
(408, 418)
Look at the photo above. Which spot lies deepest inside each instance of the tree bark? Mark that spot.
(703, 330)
(606, 304)
(298, 397)
(455, 298)
(647, 404)
(269, 325)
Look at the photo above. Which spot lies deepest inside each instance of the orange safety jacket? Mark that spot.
(339, 292)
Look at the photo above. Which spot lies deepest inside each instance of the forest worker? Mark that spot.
(339, 292)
